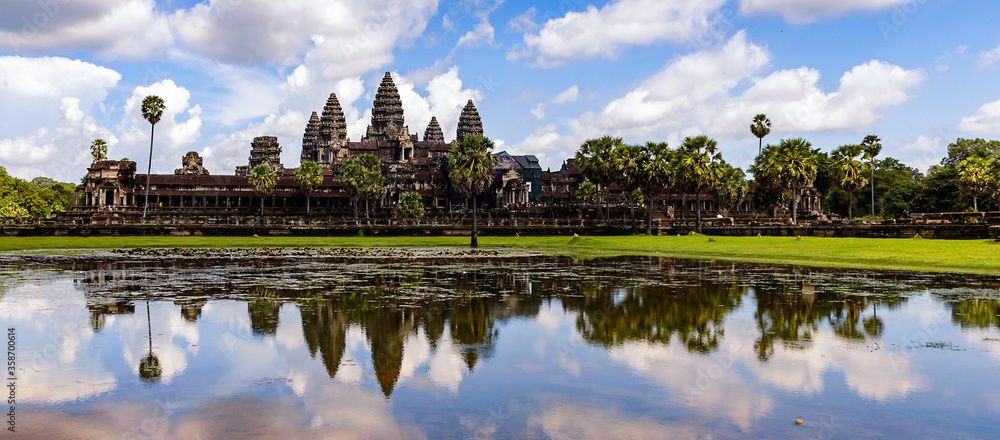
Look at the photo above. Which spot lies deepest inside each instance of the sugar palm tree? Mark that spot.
(152, 111)
(655, 175)
(627, 166)
(698, 162)
(594, 161)
(471, 163)
(352, 176)
(373, 183)
(974, 177)
(760, 127)
(731, 188)
(795, 166)
(263, 181)
(308, 176)
(872, 147)
(99, 149)
(848, 172)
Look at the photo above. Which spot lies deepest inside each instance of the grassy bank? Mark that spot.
(959, 256)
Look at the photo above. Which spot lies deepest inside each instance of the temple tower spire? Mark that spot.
(469, 123)
(387, 113)
(433, 132)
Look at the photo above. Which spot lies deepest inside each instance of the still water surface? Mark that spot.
(499, 348)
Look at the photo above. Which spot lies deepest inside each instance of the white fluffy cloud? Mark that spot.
(569, 95)
(445, 100)
(718, 91)
(178, 129)
(986, 120)
(989, 58)
(695, 91)
(348, 38)
(605, 32)
(806, 11)
(59, 90)
(129, 29)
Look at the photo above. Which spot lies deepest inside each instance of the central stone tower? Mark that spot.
(387, 115)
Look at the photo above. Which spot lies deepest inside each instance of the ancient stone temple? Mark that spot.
(469, 123)
(387, 114)
(433, 132)
(325, 139)
(263, 149)
(408, 164)
(191, 164)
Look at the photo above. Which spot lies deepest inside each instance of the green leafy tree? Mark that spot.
(410, 205)
(789, 166)
(373, 182)
(731, 188)
(626, 163)
(760, 127)
(352, 177)
(594, 162)
(99, 149)
(974, 177)
(20, 199)
(152, 111)
(962, 149)
(471, 163)
(872, 146)
(263, 180)
(698, 161)
(587, 191)
(308, 176)
(655, 174)
(849, 172)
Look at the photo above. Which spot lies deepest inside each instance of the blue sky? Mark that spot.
(545, 75)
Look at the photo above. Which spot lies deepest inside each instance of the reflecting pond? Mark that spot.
(537, 347)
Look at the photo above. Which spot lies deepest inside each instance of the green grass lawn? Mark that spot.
(959, 256)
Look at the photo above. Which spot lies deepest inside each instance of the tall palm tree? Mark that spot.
(594, 161)
(974, 177)
(471, 165)
(308, 176)
(655, 173)
(627, 166)
(373, 183)
(152, 111)
(99, 149)
(263, 181)
(795, 166)
(760, 127)
(699, 160)
(731, 188)
(848, 167)
(872, 147)
(352, 177)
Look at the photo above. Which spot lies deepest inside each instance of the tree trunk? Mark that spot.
(631, 205)
(684, 198)
(975, 206)
(873, 189)
(850, 205)
(149, 167)
(760, 145)
(261, 206)
(307, 203)
(697, 205)
(600, 212)
(649, 219)
(366, 209)
(475, 229)
(795, 206)
(354, 201)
